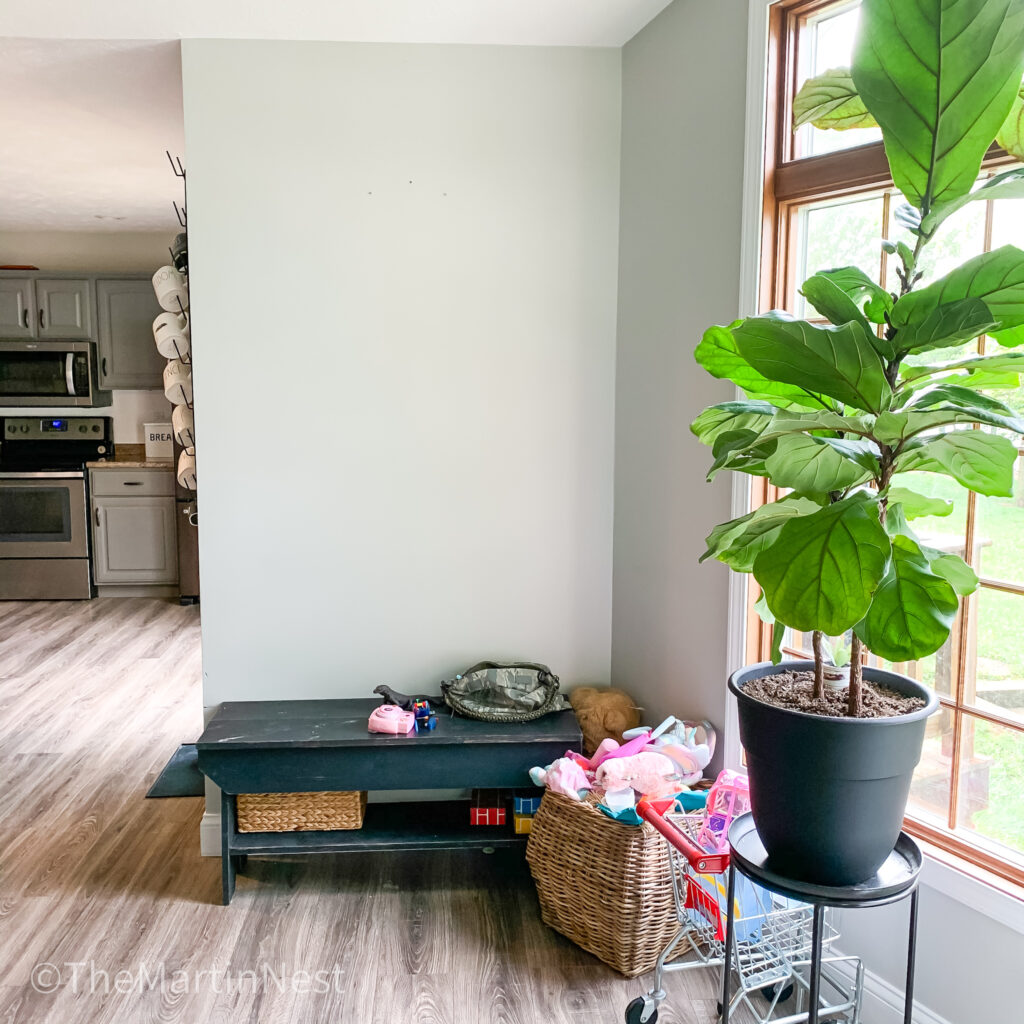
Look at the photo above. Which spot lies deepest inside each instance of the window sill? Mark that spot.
(995, 897)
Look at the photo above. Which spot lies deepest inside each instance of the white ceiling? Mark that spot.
(512, 22)
(90, 93)
(83, 130)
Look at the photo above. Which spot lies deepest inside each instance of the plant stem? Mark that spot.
(819, 665)
(856, 701)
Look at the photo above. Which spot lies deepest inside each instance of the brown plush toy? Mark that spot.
(602, 713)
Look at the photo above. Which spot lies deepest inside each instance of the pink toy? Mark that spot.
(565, 776)
(610, 749)
(649, 773)
(728, 799)
(390, 718)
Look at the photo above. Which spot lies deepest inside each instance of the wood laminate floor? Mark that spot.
(94, 698)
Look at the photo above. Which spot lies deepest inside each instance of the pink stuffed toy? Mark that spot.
(648, 773)
(565, 776)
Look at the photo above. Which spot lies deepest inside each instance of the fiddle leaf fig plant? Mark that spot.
(834, 412)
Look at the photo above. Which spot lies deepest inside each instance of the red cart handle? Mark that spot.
(702, 861)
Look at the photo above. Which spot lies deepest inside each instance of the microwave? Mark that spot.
(49, 373)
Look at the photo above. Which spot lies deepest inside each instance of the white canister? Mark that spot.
(178, 383)
(171, 289)
(187, 471)
(173, 337)
(159, 441)
(183, 422)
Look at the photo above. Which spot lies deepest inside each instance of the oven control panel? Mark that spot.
(61, 428)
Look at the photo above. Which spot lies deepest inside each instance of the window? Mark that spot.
(829, 201)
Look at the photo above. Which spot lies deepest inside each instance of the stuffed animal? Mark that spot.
(603, 713)
(690, 744)
(649, 773)
(564, 776)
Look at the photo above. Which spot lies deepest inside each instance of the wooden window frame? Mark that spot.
(791, 183)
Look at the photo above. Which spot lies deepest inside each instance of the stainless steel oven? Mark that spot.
(44, 514)
(44, 545)
(49, 373)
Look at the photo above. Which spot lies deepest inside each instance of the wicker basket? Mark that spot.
(604, 885)
(300, 812)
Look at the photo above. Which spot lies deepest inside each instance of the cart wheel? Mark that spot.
(635, 1010)
(769, 992)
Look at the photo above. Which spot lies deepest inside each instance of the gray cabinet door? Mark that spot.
(17, 308)
(64, 309)
(127, 354)
(134, 540)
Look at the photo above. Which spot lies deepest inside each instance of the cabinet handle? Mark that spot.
(132, 483)
(103, 366)
(24, 317)
(97, 516)
(42, 322)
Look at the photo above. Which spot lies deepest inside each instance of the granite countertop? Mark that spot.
(130, 456)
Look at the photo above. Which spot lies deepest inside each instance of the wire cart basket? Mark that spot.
(773, 937)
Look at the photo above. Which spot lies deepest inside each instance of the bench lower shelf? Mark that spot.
(421, 825)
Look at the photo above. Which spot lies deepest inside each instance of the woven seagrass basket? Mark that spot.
(604, 885)
(300, 812)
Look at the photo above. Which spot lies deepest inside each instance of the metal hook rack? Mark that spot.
(175, 162)
(181, 213)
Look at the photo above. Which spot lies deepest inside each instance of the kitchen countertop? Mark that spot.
(130, 456)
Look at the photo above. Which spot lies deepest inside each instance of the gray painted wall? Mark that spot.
(404, 267)
(679, 272)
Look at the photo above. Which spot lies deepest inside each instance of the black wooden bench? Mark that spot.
(313, 745)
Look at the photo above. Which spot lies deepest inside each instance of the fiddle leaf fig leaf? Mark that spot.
(821, 570)
(995, 278)
(817, 464)
(1008, 185)
(980, 461)
(778, 632)
(830, 101)
(840, 362)
(912, 611)
(790, 421)
(1001, 361)
(892, 427)
(869, 296)
(778, 628)
(718, 354)
(953, 569)
(949, 324)
(719, 419)
(740, 450)
(916, 505)
(1011, 134)
(906, 216)
(825, 295)
(749, 535)
(940, 79)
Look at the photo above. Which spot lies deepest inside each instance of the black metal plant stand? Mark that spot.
(895, 880)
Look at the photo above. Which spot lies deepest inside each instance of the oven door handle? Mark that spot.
(69, 374)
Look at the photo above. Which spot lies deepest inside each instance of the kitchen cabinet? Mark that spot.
(63, 308)
(128, 358)
(133, 527)
(17, 308)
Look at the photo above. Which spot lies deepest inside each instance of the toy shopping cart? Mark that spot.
(773, 936)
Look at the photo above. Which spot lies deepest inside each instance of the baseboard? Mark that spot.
(137, 590)
(209, 835)
(883, 1001)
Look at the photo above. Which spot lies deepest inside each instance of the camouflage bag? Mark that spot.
(495, 692)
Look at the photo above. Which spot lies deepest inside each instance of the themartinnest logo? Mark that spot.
(86, 976)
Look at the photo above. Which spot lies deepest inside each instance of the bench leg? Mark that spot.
(229, 863)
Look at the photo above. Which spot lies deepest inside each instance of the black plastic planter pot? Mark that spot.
(828, 794)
